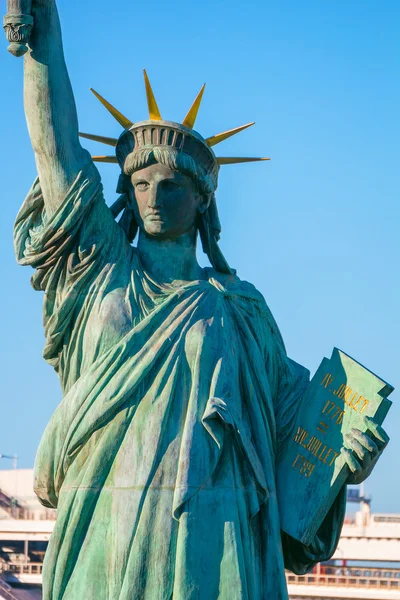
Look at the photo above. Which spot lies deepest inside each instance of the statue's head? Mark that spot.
(169, 175)
(165, 193)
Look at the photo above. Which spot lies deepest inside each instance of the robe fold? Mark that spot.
(160, 458)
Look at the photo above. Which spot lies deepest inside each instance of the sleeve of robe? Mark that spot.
(289, 381)
(71, 251)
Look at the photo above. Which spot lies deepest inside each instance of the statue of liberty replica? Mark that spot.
(177, 390)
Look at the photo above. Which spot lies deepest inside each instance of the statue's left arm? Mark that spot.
(288, 382)
(300, 559)
(361, 452)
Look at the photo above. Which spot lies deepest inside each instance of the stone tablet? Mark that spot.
(311, 470)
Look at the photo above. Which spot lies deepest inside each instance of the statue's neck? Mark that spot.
(170, 260)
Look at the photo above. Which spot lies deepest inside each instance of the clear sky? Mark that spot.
(315, 229)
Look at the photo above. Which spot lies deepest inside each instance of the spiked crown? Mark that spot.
(156, 132)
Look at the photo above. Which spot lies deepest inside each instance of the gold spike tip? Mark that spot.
(227, 160)
(154, 113)
(105, 159)
(118, 116)
(99, 138)
(190, 118)
(220, 137)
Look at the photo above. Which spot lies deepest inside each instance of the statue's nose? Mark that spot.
(155, 196)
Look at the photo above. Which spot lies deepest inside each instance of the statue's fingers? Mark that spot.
(351, 461)
(353, 444)
(377, 431)
(365, 441)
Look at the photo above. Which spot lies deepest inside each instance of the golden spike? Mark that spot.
(190, 118)
(154, 113)
(220, 137)
(115, 113)
(99, 138)
(225, 160)
(105, 159)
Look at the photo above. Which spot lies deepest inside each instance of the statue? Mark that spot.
(161, 457)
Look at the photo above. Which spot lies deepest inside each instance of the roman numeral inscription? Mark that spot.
(334, 413)
(353, 399)
(310, 469)
(315, 446)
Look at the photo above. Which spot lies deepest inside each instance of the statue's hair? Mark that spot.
(173, 159)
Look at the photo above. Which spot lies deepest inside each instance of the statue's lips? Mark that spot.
(155, 217)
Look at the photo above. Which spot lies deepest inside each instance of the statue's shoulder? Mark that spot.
(254, 299)
(234, 286)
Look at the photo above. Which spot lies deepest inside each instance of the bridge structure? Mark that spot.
(25, 529)
(345, 582)
(22, 548)
(371, 539)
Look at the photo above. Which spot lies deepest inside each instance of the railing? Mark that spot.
(26, 514)
(348, 578)
(363, 572)
(17, 512)
(6, 591)
(21, 568)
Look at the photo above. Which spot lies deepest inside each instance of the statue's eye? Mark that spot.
(141, 186)
(170, 186)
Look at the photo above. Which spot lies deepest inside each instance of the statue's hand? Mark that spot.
(362, 451)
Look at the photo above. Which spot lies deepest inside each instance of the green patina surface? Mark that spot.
(161, 457)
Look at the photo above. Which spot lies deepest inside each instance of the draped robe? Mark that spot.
(160, 458)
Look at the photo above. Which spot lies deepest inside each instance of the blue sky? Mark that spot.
(315, 229)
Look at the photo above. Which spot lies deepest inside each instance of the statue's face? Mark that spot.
(166, 203)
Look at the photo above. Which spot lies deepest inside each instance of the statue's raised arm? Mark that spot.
(50, 107)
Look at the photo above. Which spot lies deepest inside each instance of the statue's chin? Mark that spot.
(159, 230)
(156, 227)
(162, 230)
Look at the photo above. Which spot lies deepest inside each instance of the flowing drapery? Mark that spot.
(161, 457)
